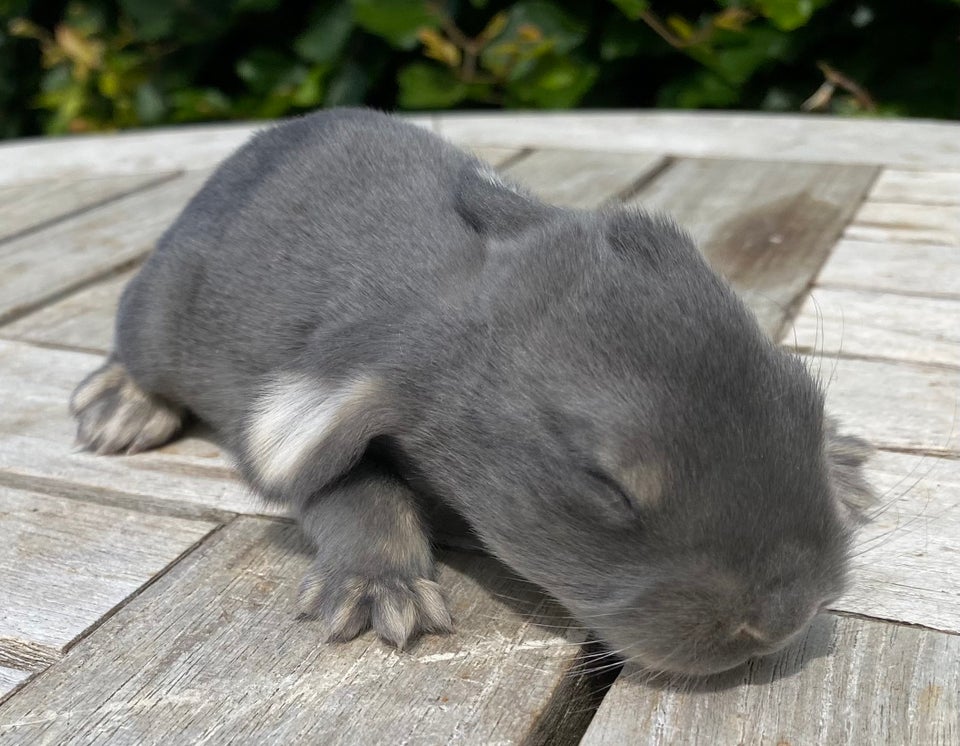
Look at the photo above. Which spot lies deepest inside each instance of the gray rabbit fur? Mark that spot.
(366, 315)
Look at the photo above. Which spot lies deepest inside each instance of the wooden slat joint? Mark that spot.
(26, 655)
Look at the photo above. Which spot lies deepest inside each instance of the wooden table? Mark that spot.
(149, 599)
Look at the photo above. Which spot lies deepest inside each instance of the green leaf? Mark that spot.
(310, 91)
(620, 40)
(326, 34)
(56, 79)
(427, 86)
(89, 20)
(397, 21)
(554, 83)
(737, 56)
(788, 15)
(186, 22)
(255, 6)
(264, 69)
(153, 19)
(13, 8)
(534, 29)
(192, 104)
(149, 103)
(632, 9)
(565, 31)
(779, 99)
(348, 86)
(703, 89)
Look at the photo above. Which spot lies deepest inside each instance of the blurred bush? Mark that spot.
(84, 65)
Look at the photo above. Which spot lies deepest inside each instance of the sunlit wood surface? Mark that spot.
(150, 599)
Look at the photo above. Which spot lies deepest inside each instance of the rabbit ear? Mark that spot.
(495, 207)
(846, 456)
(303, 433)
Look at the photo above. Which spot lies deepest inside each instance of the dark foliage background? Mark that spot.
(84, 65)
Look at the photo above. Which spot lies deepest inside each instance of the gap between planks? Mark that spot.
(879, 618)
(110, 498)
(868, 617)
(848, 681)
(69, 253)
(46, 618)
(222, 620)
(519, 161)
(49, 216)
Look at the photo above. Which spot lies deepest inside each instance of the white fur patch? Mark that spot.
(645, 482)
(293, 417)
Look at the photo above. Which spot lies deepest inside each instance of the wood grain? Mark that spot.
(83, 320)
(184, 147)
(190, 476)
(766, 226)
(863, 322)
(919, 269)
(848, 682)
(905, 558)
(10, 679)
(495, 156)
(64, 564)
(147, 152)
(894, 222)
(905, 143)
(895, 406)
(213, 652)
(917, 187)
(757, 223)
(41, 265)
(27, 207)
(583, 179)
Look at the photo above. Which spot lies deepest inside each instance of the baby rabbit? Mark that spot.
(367, 316)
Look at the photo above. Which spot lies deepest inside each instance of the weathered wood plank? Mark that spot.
(83, 320)
(43, 264)
(584, 179)
(29, 206)
(766, 226)
(65, 563)
(905, 143)
(783, 251)
(893, 222)
(917, 187)
(905, 558)
(495, 156)
(146, 152)
(213, 651)
(893, 405)
(863, 322)
(848, 682)
(184, 147)
(891, 267)
(10, 679)
(189, 476)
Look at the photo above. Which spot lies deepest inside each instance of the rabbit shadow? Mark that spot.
(462, 553)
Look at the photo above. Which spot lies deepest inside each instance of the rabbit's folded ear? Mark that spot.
(303, 433)
(494, 207)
